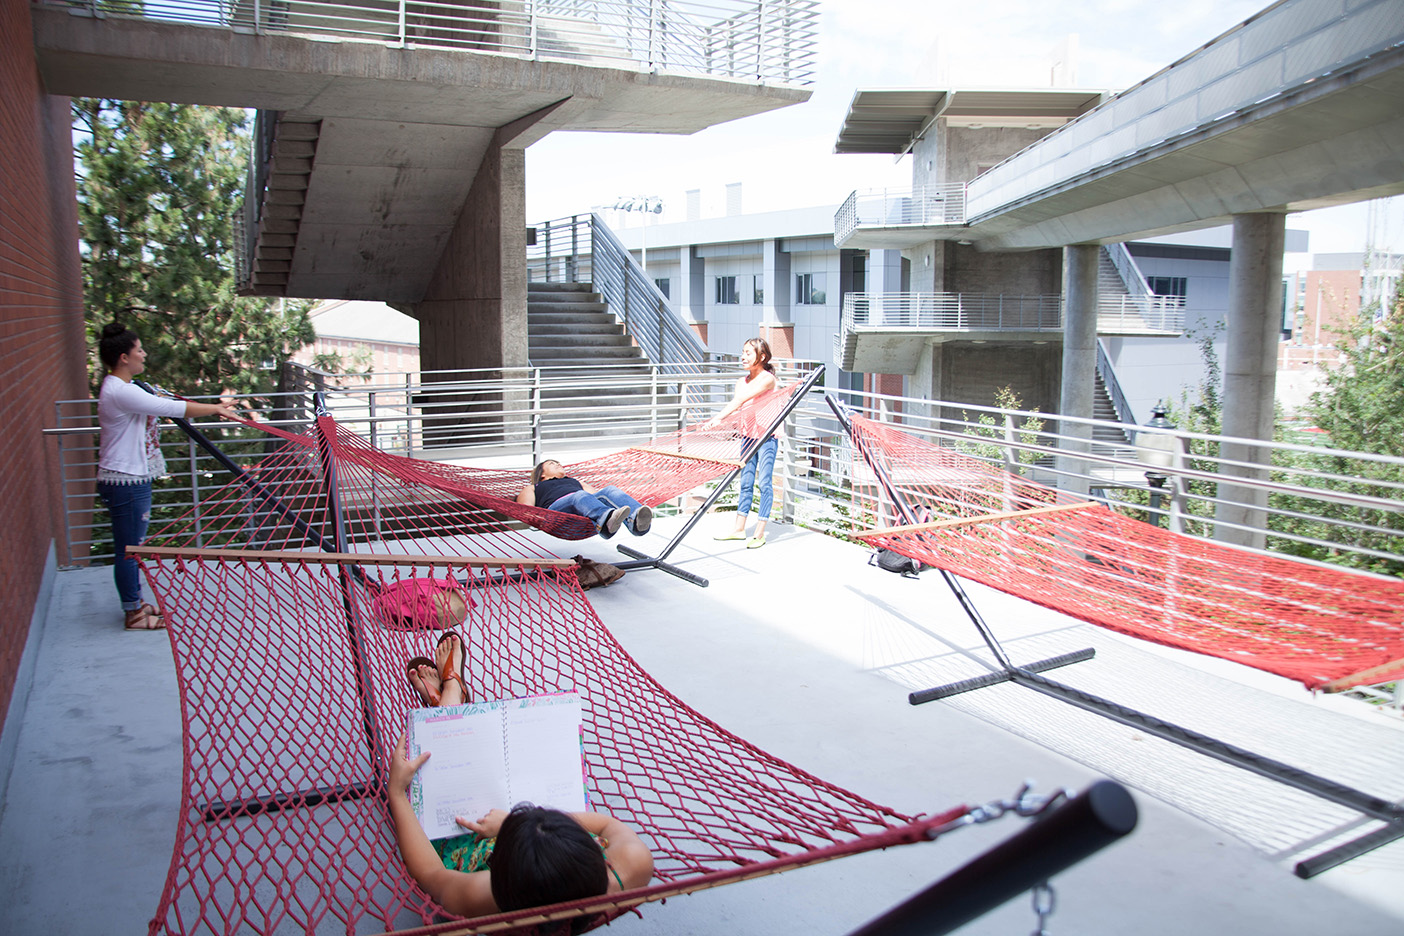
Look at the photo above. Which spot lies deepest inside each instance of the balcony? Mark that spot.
(897, 218)
(876, 330)
(805, 650)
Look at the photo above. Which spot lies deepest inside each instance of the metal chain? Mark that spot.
(1044, 901)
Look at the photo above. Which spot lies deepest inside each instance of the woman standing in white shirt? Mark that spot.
(129, 458)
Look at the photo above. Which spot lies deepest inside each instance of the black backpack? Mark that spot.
(905, 566)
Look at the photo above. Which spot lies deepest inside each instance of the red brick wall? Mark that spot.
(41, 324)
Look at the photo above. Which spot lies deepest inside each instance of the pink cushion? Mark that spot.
(422, 604)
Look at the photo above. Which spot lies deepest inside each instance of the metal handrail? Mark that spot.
(762, 41)
(402, 412)
(583, 249)
(1162, 313)
(922, 206)
(1107, 372)
(947, 310)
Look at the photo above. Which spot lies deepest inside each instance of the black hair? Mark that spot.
(543, 856)
(116, 340)
(539, 470)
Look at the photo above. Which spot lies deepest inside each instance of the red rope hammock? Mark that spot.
(1329, 629)
(430, 498)
(292, 693)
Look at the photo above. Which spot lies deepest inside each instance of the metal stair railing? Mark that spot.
(1107, 372)
(582, 249)
(1162, 313)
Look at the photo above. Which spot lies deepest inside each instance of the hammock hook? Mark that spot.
(1023, 803)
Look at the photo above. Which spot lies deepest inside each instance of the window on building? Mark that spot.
(1168, 285)
(757, 289)
(811, 289)
(726, 291)
(662, 285)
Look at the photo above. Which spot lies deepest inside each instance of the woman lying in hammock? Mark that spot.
(609, 507)
(529, 857)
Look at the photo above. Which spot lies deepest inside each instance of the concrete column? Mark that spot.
(775, 265)
(474, 311)
(1250, 370)
(692, 288)
(1079, 359)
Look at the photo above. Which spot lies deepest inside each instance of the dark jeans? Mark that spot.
(130, 507)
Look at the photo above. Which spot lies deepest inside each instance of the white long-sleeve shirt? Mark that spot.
(123, 409)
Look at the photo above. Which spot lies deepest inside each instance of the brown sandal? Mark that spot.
(447, 671)
(141, 619)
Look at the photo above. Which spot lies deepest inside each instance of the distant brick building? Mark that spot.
(1325, 301)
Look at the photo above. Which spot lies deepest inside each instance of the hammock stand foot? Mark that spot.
(993, 679)
(1311, 867)
(220, 810)
(1054, 842)
(645, 561)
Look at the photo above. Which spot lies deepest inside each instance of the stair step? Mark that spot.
(566, 300)
(540, 286)
(585, 354)
(546, 342)
(573, 329)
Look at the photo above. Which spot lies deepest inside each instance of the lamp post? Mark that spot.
(1156, 450)
(648, 204)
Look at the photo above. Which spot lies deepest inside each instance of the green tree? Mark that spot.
(1360, 407)
(159, 186)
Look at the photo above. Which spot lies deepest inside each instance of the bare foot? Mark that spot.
(423, 676)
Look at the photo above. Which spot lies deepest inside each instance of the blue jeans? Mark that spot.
(760, 465)
(596, 506)
(130, 507)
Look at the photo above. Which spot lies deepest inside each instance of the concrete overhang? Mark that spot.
(874, 349)
(890, 121)
(397, 133)
(1334, 140)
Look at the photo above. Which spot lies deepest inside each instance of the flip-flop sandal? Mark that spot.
(141, 619)
(428, 696)
(447, 671)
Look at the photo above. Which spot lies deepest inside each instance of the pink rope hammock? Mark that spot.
(292, 691)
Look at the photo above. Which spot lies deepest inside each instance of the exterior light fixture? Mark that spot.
(1157, 450)
(648, 204)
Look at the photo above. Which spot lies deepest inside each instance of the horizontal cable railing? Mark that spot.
(1311, 502)
(466, 416)
(952, 311)
(929, 205)
(762, 41)
(1287, 45)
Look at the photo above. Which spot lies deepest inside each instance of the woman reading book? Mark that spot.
(506, 861)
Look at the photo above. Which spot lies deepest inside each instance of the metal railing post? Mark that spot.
(535, 397)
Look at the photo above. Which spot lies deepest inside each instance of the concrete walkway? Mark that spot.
(803, 649)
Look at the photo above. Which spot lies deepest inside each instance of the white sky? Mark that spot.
(785, 159)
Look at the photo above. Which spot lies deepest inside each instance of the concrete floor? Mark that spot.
(808, 652)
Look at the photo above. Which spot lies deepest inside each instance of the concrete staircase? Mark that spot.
(572, 332)
(1103, 409)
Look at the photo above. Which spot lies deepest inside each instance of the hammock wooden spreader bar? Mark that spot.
(276, 690)
(880, 532)
(1210, 596)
